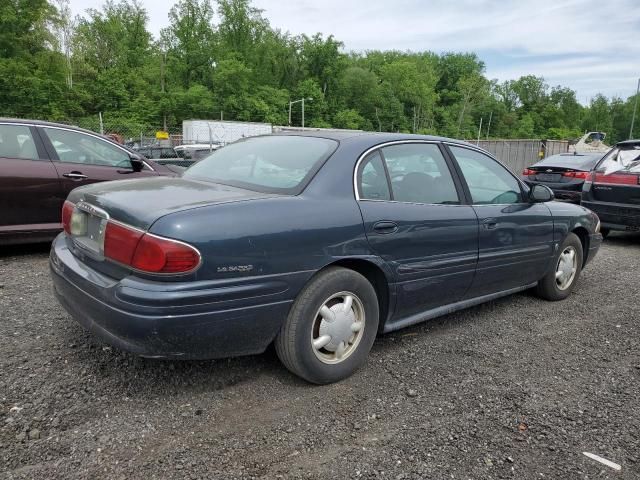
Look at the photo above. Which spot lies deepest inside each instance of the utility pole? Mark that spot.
(303, 113)
(479, 131)
(162, 80)
(635, 107)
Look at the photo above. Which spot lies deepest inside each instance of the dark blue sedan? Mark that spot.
(316, 242)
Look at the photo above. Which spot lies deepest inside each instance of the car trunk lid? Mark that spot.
(618, 187)
(97, 206)
(141, 202)
(556, 174)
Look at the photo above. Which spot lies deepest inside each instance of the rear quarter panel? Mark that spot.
(273, 236)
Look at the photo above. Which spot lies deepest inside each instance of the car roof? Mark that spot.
(369, 138)
(628, 143)
(43, 123)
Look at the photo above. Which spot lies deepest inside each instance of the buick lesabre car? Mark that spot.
(316, 242)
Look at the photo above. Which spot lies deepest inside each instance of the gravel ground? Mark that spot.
(517, 388)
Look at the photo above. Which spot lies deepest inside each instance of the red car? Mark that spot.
(41, 162)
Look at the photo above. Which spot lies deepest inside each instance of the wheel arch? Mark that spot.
(583, 234)
(377, 277)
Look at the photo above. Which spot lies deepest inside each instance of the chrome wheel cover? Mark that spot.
(566, 268)
(338, 328)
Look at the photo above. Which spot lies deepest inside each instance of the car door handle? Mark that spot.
(75, 175)
(385, 227)
(490, 223)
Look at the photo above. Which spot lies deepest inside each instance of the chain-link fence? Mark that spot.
(195, 139)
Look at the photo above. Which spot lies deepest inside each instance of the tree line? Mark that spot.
(223, 58)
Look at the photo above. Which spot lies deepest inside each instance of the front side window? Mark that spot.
(489, 182)
(419, 174)
(16, 142)
(270, 164)
(76, 147)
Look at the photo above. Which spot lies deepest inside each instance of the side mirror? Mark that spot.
(137, 164)
(541, 193)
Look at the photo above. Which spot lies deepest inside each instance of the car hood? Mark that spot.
(140, 202)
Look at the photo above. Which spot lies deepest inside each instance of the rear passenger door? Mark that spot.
(415, 220)
(516, 236)
(30, 192)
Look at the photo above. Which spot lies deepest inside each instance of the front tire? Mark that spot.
(562, 278)
(330, 328)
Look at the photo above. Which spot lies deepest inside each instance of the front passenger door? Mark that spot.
(516, 236)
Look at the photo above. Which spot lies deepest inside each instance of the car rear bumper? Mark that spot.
(615, 216)
(169, 320)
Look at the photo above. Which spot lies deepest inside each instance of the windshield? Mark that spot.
(270, 164)
(621, 159)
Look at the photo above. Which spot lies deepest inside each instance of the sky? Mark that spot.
(590, 46)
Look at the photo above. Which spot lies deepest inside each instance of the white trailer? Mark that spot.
(221, 132)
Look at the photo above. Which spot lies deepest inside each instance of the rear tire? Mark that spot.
(561, 279)
(330, 327)
(604, 232)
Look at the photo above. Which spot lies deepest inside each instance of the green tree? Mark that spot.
(189, 41)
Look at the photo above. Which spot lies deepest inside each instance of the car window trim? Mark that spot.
(379, 147)
(368, 159)
(524, 190)
(43, 155)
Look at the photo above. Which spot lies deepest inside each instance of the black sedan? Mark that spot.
(565, 174)
(613, 190)
(316, 242)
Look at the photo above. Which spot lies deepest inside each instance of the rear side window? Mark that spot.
(270, 164)
(16, 141)
(372, 179)
(488, 181)
(419, 174)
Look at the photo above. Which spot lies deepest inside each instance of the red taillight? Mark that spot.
(617, 178)
(579, 175)
(527, 172)
(120, 242)
(161, 255)
(147, 252)
(67, 211)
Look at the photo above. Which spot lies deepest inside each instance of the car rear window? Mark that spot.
(269, 164)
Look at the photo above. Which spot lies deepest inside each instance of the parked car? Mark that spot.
(154, 152)
(196, 151)
(306, 241)
(613, 189)
(564, 173)
(41, 162)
